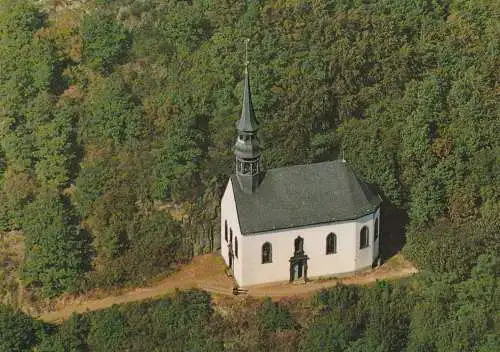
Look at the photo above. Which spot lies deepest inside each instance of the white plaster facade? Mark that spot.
(247, 265)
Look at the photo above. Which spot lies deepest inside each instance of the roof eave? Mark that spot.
(245, 232)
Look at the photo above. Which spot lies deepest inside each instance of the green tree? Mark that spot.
(109, 221)
(18, 331)
(93, 180)
(107, 330)
(432, 307)
(447, 248)
(188, 314)
(27, 69)
(387, 324)
(53, 140)
(178, 160)
(338, 322)
(273, 317)
(156, 244)
(473, 316)
(112, 112)
(57, 251)
(454, 315)
(371, 149)
(328, 333)
(105, 42)
(71, 336)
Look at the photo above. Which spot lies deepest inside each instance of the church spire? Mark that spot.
(247, 147)
(247, 122)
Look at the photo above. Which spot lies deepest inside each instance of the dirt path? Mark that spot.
(207, 272)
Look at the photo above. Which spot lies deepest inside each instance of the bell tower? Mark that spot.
(247, 147)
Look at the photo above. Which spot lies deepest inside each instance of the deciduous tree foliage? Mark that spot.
(105, 42)
(274, 317)
(57, 251)
(18, 331)
(427, 312)
(129, 109)
(453, 315)
(71, 336)
(28, 74)
(179, 323)
(111, 112)
(177, 162)
(108, 330)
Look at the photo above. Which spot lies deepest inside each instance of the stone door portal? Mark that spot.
(298, 268)
(298, 263)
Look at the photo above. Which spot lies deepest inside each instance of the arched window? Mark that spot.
(230, 235)
(267, 253)
(236, 247)
(363, 238)
(225, 230)
(376, 229)
(331, 243)
(299, 244)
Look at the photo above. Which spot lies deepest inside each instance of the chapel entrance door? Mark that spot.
(298, 268)
(298, 271)
(298, 263)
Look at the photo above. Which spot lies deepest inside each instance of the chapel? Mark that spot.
(297, 222)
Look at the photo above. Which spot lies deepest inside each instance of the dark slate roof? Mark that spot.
(247, 121)
(304, 195)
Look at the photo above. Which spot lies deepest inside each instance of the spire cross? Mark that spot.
(246, 54)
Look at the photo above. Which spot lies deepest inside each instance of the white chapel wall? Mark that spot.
(365, 256)
(319, 263)
(229, 214)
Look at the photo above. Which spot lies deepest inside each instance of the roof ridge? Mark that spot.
(310, 164)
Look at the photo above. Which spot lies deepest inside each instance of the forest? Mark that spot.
(428, 312)
(117, 122)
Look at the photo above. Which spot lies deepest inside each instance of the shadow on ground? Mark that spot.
(393, 233)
